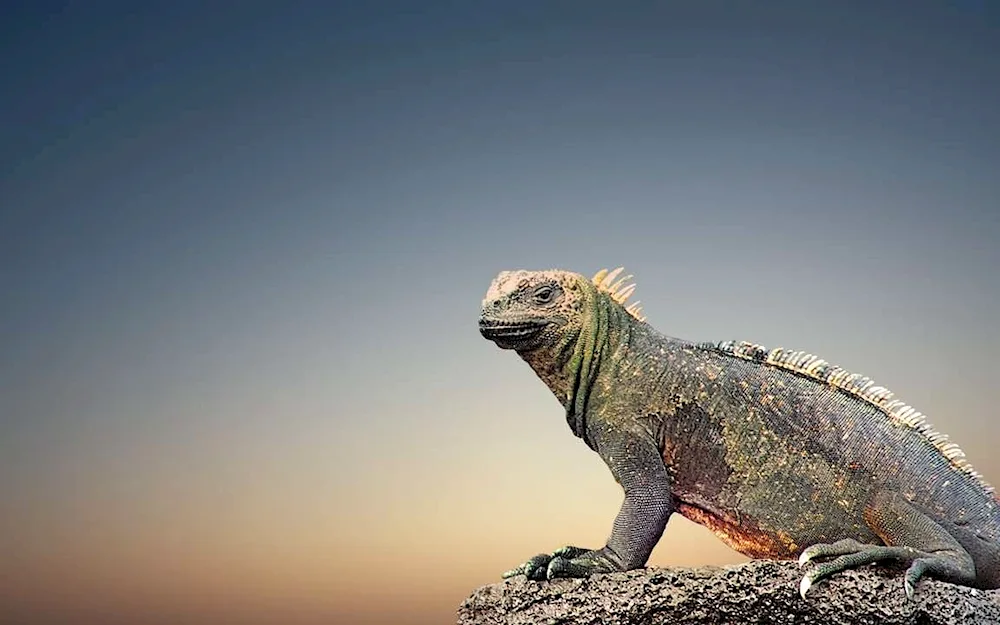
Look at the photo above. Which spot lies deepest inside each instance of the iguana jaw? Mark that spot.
(514, 334)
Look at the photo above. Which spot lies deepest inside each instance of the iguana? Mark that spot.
(781, 454)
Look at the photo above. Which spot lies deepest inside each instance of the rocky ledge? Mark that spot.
(760, 591)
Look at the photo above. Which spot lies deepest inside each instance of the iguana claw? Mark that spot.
(804, 585)
(804, 558)
(533, 569)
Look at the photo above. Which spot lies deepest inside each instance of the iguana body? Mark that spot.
(779, 453)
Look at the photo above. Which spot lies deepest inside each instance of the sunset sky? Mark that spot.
(243, 250)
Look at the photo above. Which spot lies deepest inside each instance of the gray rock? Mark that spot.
(761, 591)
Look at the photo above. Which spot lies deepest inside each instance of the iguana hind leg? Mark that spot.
(910, 536)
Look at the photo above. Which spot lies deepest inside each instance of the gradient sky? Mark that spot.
(243, 248)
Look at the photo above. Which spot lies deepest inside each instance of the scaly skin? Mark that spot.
(780, 454)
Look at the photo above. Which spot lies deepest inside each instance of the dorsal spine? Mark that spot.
(857, 386)
(619, 290)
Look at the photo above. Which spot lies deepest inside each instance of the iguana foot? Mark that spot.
(852, 554)
(910, 536)
(566, 562)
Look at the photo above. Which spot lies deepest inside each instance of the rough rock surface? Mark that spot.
(759, 591)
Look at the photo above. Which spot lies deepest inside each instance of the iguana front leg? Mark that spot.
(910, 536)
(637, 465)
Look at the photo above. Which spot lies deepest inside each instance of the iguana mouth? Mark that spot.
(511, 332)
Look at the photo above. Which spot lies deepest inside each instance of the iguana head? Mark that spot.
(530, 310)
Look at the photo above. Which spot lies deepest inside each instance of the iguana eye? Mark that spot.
(544, 294)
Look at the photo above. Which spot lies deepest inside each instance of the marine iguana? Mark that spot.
(781, 454)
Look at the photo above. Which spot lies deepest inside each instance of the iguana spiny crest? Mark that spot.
(619, 290)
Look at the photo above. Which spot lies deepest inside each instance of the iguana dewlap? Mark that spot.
(781, 454)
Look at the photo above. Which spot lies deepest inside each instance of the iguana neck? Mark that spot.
(570, 367)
